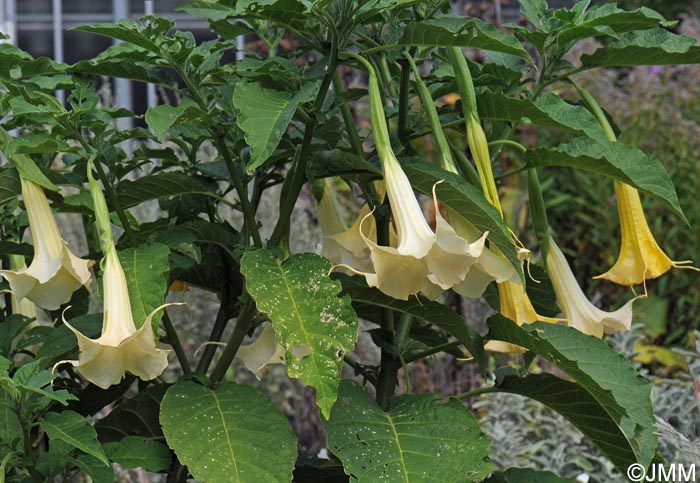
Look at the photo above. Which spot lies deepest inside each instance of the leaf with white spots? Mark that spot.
(229, 435)
(315, 326)
(419, 439)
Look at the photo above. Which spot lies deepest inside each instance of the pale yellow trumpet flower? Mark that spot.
(580, 313)
(55, 272)
(121, 347)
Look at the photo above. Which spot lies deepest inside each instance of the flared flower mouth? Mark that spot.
(580, 313)
(121, 347)
(640, 256)
(55, 272)
(422, 260)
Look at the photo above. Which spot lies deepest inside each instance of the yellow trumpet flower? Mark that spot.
(580, 313)
(121, 347)
(55, 272)
(640, 256)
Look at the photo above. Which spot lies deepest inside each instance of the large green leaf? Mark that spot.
(454, 30)
(145, 268)
(549, 110)
(609, 20)
(615, 160)
(648, 47)
(230, 435)
(526, 475)
(10, 428)
(315, 326)
(418, 306)
(135, 452)
(605, 375)
(265, 115)
(130, 31)
(465, 200)
(578, 406)
(74, 429)
(124, 61)
(156, 186)
(10, 186)
(419, 439)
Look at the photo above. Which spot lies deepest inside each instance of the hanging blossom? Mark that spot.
(422, 260)
(122, 346)
(55, 272)
(640, 256)
(489, 267)
(341, 245)
(579, 312)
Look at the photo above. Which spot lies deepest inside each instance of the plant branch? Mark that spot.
(174, 340)
(348, 118)
(242, 325)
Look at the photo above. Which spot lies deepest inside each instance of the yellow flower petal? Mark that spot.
(640, 256)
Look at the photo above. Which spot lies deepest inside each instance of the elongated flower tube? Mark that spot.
(579, 312)
(263, 352)
(55, 272)
(422, 260)
(122, 346)
(640, 256)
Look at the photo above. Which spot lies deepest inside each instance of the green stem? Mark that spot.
(174, 340)
(509, 142)
(597, 112)
(433, 350)
(3, 465)
(538, 211)
(468, 169)
(239, 332)
(112, 196)
(476, 392)
(443, 147)
(222, 318)
(386, 76)
(404, 87)
(298, 171)
(248, 213)
(348, 118)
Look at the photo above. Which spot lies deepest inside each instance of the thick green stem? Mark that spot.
(242, 325)
(248, 213)
(348, 118)
(174, 340)
(222, 318)
(298, 172)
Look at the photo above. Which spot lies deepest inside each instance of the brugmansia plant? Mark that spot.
(428, 227)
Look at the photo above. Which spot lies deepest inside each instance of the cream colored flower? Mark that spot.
(640, 256)
(54, 273)
(263, 352)
(423, 260)
(580, 313)
(121, 347)
(341, 245)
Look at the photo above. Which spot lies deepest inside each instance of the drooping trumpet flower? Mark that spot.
(122, 346)
(423, 260)
(263, 352)
(640, 256)
(341, 245)
(55, 272)
(579, 312)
